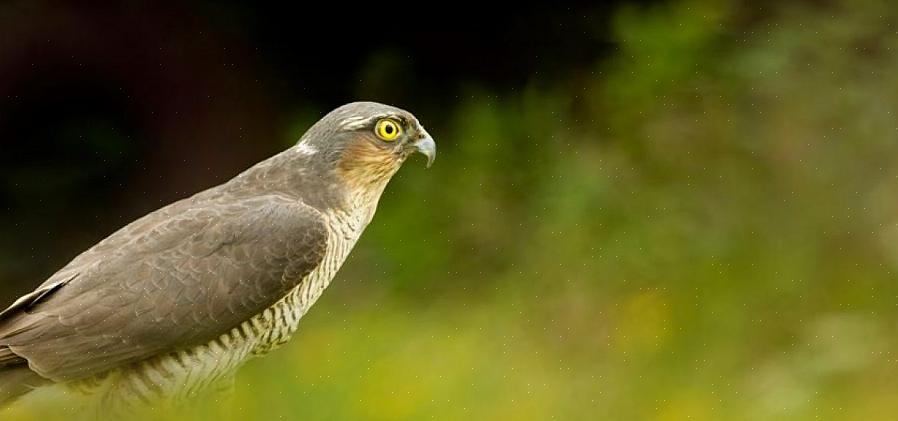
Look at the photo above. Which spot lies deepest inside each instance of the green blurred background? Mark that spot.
(655, 210)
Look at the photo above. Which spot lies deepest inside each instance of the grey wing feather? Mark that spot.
(175, 280)
(32, 298)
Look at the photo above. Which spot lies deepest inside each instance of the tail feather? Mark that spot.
(17, 381)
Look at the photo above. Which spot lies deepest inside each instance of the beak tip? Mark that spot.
(428, 148)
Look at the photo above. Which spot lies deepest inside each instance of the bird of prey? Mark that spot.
(176, 301)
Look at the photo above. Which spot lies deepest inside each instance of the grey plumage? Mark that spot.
(207, 268)
(225, 274)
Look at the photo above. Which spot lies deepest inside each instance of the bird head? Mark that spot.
(367, 142)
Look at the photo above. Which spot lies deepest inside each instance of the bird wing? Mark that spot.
(177, 278)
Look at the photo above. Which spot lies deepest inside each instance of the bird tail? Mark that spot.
(16, 381)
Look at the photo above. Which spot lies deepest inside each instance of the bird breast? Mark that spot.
(277, 324)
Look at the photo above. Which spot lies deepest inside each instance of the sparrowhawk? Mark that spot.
(179, 299)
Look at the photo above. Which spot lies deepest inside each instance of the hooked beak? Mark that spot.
(427, 147)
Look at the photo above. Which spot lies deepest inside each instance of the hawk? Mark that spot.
(178, 300)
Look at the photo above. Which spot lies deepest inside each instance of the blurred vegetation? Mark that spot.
(703, 225)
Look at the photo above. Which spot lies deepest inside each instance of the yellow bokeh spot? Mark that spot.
(643, 322)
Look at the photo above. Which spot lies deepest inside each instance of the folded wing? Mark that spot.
(175, 279)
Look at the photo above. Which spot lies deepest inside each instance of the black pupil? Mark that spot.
(388, 129)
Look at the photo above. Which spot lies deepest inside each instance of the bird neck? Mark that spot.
(317, 183)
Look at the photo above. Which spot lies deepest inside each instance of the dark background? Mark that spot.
(107, 112)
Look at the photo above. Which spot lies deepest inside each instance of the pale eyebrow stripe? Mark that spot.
(355, 122)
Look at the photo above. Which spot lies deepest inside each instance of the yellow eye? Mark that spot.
(387, 129)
